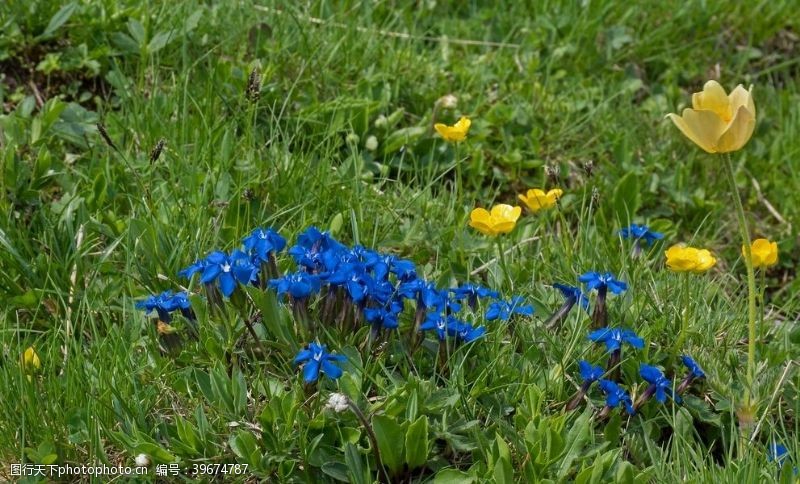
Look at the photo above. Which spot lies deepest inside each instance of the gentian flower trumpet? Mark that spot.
(660, 386)
(537, 199)
(614, 338)
(589, 375)
(718, 122)
(457, 132)
(503, 310)
(601, 282)
(472, 292)
(763, 252)
(694, 373)
(616, 396)
(571, 295)
(317, 359)
(226, 269)
(681, 258)
(263, 244)
(501, 219)
(640, 233)
(165, 303)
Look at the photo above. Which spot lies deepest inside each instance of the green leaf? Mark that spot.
(503, 472)
(354, 464)
(390, 438)
(453, 476)
(417, 443)
(244, 445)
(59, 19)
(159, 41)
(624, 473)
(577, 437)
(627, 198)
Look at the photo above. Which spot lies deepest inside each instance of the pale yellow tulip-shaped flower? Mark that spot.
(501, 219)
(764, 252)
(537, 199)
(718, 122)
(457, 132)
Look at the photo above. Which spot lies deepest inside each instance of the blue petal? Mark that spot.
(303, 355)
(331, 370)
(227, 283)
(311, 371)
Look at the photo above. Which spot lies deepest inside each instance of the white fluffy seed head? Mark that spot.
(337, 402)
(371, 144)
(142, 460)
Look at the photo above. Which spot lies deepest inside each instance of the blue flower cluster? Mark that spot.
(165, 303)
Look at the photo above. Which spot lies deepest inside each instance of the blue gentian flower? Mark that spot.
(165, 303)
(262, 242)
(661, 385)
(198, 266)
(422, 291)
(614, 337)
(464, 332)
(311, 259)
(405, 270)
(777, 453)
(434, 321)
(317, 241)
(300, 285)
(227, 270)
(616, 395)
(601, 282)
(693, 367)
(503, 310)
(385, 317)
(640, 232)
(590, 373)
(354, 278)
(317, 359)
(471, 292)
(573, 293)
(447, 304)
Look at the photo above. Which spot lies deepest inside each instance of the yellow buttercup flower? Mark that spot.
(501, 220)
(537, 199)
(681, 258)
(30, 360)
(718, 122)
(764, 252)
(457, 132)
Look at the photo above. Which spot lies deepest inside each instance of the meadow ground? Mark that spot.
(134, 140)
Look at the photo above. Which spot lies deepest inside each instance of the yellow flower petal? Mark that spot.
(713, 98)
(741, 97)
(738, 132)
(705, 261)
(504, 213)
(481, 220)
(463, 124)
(458, 132)
(764, 252)
(30, 360)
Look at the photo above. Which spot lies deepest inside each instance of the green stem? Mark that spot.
(751, 281)
(503, 263)
(684, 316)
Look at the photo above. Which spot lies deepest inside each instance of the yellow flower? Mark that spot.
(501, 220)
(30, 360)
(681, 258)
(718, 122)
(537, 199)
(457, 132)
(764, 252)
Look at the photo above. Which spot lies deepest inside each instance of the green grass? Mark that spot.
(575, 97)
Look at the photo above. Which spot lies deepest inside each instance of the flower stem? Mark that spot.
(503, 263)
(751, 281)
(684, 316)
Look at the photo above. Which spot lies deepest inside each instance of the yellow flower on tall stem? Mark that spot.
(684, 259)
(30, 362)
(500, 220)
(457, 132)
(721, 123)
(763, 252)
(537, 199)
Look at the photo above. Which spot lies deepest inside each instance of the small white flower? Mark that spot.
(448, 101)
(142, 460)
(381, 121)
(337, 402)
(371, 144)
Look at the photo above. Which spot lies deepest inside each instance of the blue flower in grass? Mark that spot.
(473, 292)
(263, 242)
(434, 321)
(316, 241)
(503, 310)
(385, 317)
(640, 232)
(165, 303)
(615, 337)
(300, 285)
(464, 332)
(422, 291)
(574, 294)
(602, 282)
(590, 373)
(616, 395)
(354, 278)
(405, 270)
(317, 359)
(693, 367)
(660, 385)
(228, 270)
